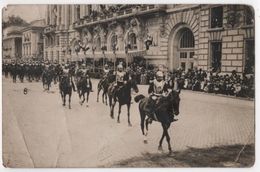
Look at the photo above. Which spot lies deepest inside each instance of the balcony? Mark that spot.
(49, 29)
(124, 13)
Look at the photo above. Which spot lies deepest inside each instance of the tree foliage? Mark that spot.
(14, 21)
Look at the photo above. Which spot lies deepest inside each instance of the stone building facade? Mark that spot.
(12, 43)
(215, 37)
(32, 40)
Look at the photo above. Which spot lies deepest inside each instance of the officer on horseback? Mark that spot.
(158, 89)
(66, 73)
(106, 71)
(84, 73)
(121, 78)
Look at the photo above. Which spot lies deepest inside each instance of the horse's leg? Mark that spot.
(146, 121)
(161, 140)
(106, 97)
(128, 114)
(69, 99)
(103, 95)
(62, 98)
(87, 98)
(119, 112)
(142, 115)
(98, 94)
(112, 109)
(83, 95)
(165, 128)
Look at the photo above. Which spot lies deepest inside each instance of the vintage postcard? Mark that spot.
(128, 85)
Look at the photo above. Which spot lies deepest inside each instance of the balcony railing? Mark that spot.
(138, 10)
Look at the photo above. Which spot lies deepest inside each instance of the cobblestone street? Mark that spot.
(39, 132)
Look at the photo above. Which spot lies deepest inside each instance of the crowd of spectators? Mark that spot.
(233, 84)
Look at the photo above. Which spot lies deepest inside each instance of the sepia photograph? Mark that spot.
(128, 85)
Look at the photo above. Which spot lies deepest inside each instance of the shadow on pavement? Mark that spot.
(220, 156)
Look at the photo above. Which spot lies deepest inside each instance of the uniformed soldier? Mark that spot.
(105, 71)
(66, 73)
(157, 89)
(120, 76)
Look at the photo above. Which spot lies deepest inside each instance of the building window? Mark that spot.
(249, 56)
(57, 40)
(113, 42)
(249, 16)
(216, 56)
(216, 17)
(77, 12)
(187, 39)
(183, 55)
(132, 41)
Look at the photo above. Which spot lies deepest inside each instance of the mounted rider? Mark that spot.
(106, 71)
(121, 78)
(66, 73)
(83, 72)
(157, 90)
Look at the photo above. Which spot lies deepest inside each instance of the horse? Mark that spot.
(65, 87)
(166, 106)
(123, 96)
(46, 79)
(83, 87)
(103, 84)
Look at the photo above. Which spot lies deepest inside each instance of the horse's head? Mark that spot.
(174, 98)
(133, 84)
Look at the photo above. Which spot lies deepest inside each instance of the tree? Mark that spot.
(14, 21)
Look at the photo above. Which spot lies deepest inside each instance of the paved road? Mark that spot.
(39, 132)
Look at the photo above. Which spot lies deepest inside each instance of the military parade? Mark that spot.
(89, 96)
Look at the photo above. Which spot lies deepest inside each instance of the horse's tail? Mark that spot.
(139, 97)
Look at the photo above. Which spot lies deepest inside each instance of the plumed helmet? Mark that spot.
(159, 74)
(120, 66)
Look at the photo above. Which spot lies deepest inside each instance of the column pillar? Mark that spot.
(72, 14)
(63, 15)
(47, 15)
(58, 15)
(66, 10)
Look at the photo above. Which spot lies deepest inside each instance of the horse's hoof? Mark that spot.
(170, 151)
(118, 121)
(145, 142)
(63, 104)
(129, 124)
(86, 105)
(112, 116)
(160, 148)
(69, 107)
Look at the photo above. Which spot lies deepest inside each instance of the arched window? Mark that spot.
(132, 41)
(113, 42)
(187, 39)
(98, 44)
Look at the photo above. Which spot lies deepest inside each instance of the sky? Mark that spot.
(26, 12)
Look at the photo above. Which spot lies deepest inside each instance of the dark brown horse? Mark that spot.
(84, 87)
(47, 79)
(123, 96)
(65, 87)
(166, 107)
